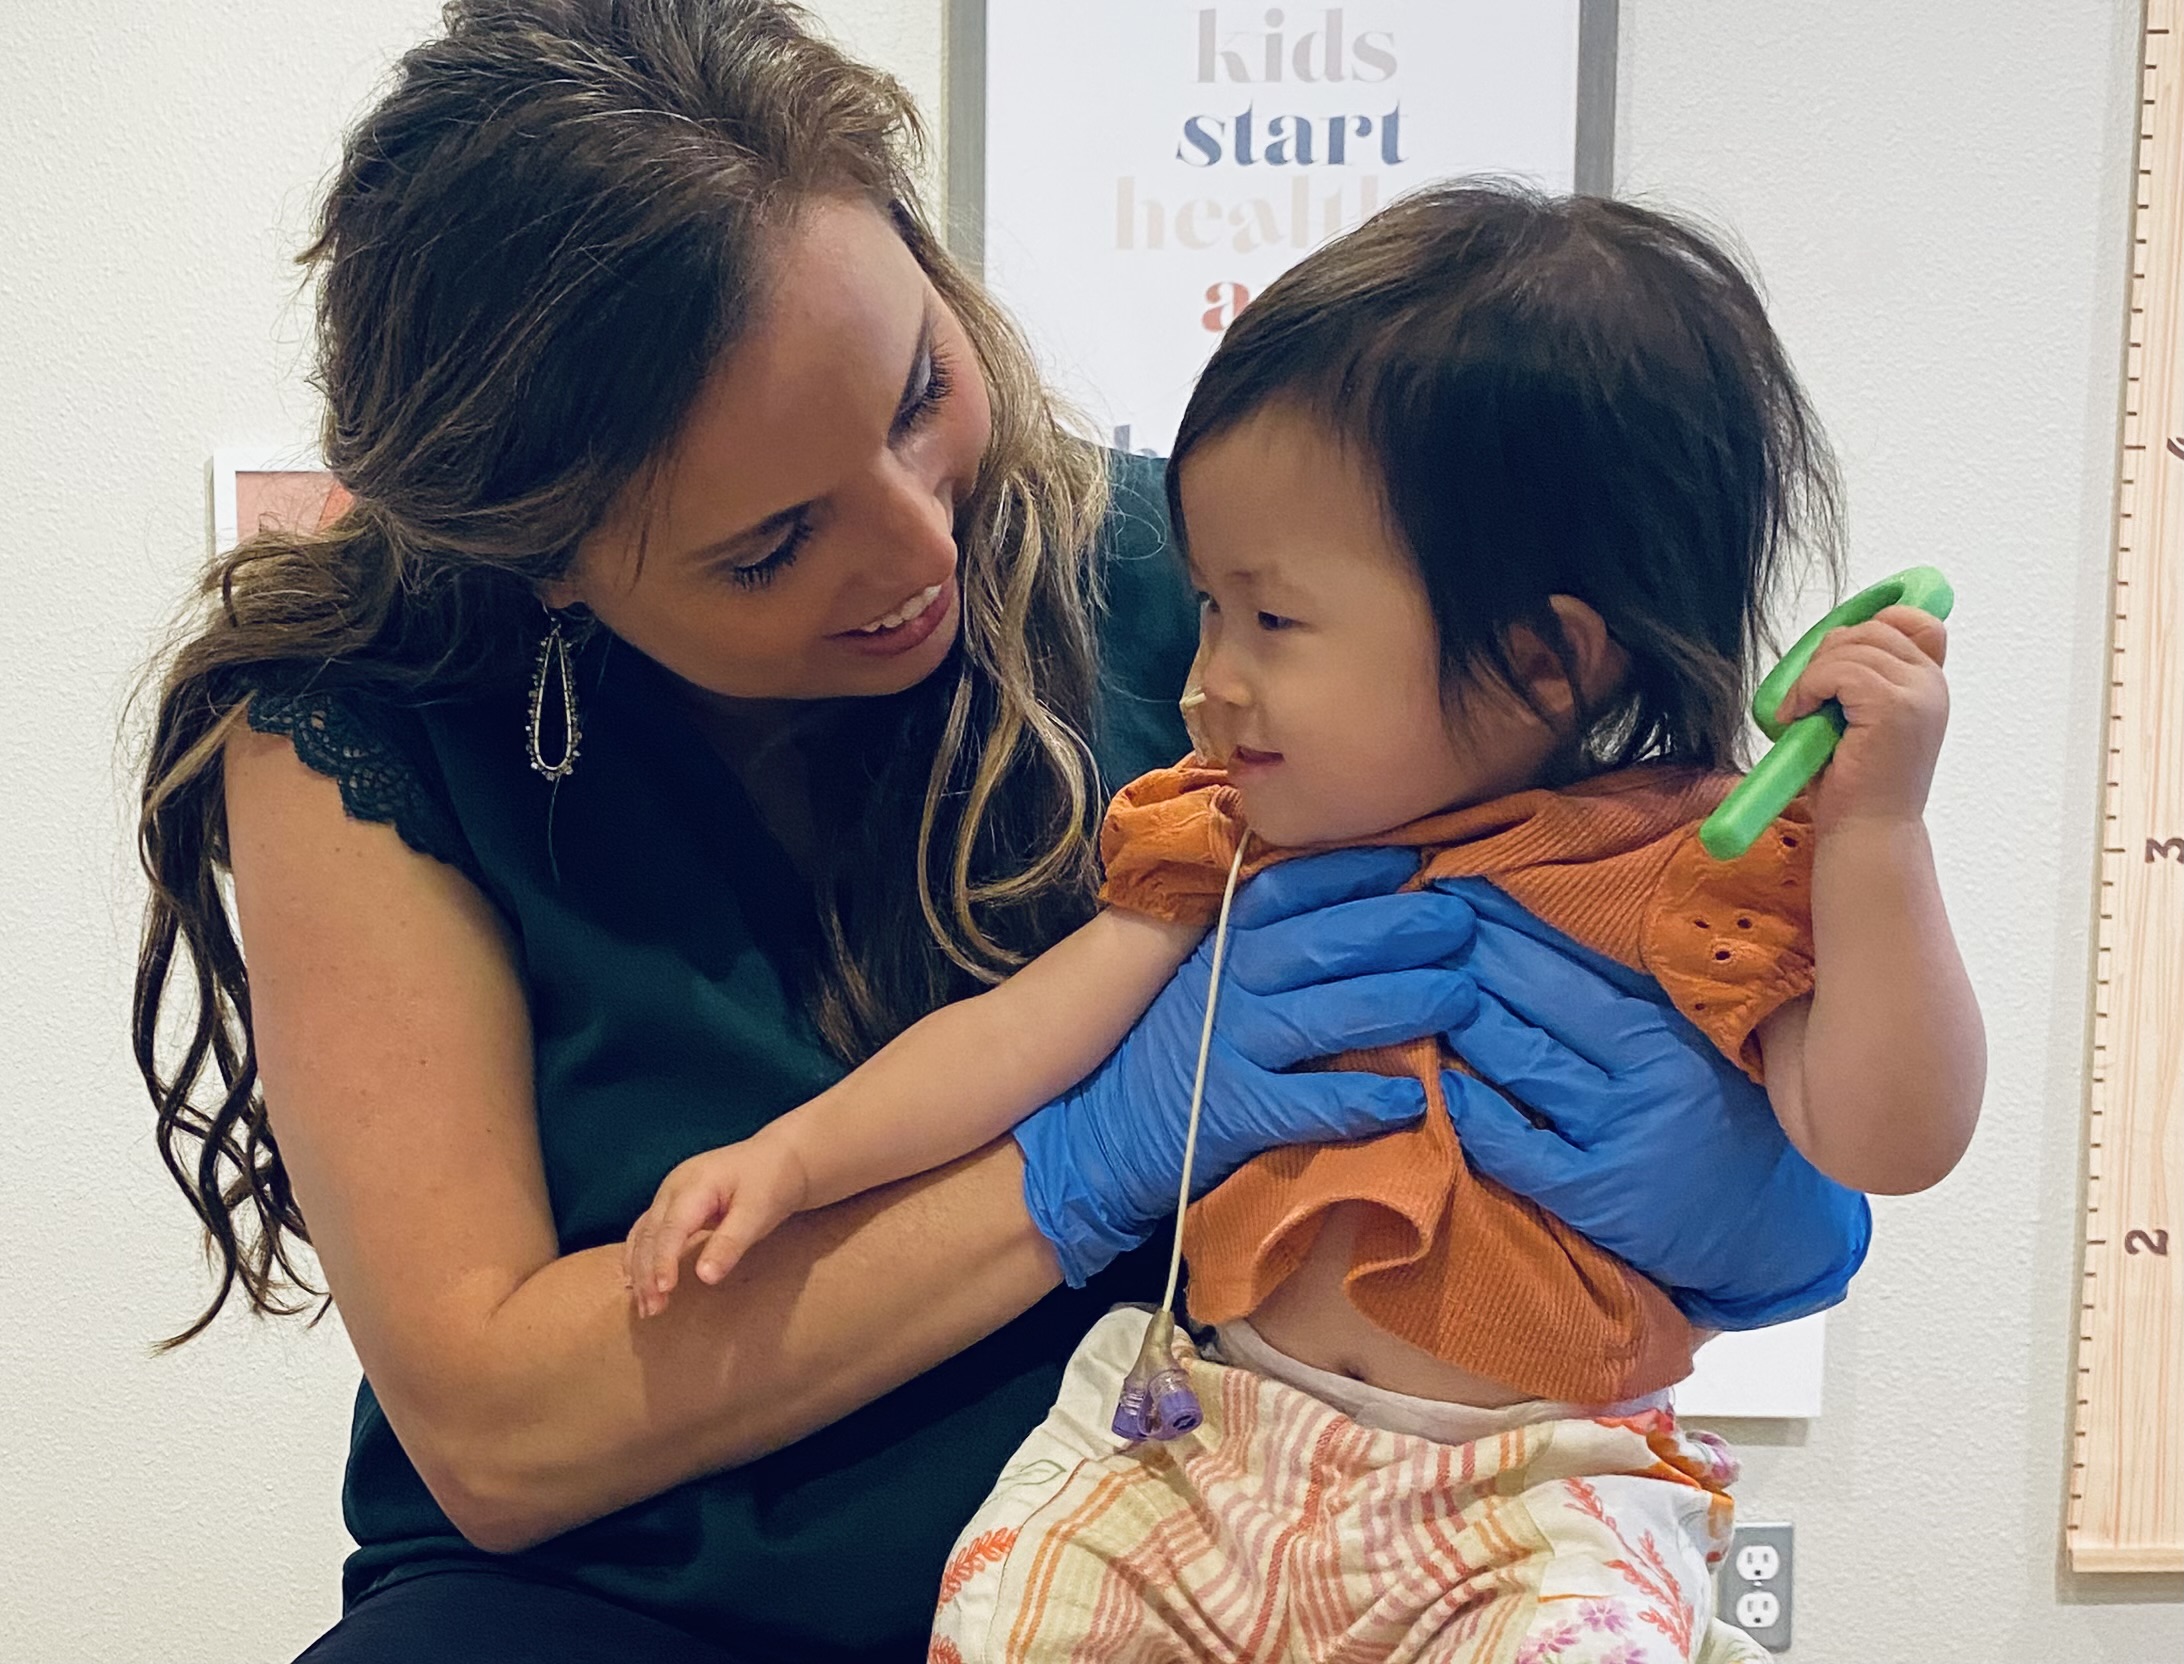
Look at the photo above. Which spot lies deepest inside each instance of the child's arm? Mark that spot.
(1877, 1078)
(950, 1083)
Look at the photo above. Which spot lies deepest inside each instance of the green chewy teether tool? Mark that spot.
(1803, 748)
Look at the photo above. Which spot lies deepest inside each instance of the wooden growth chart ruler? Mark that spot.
(2127, 1475)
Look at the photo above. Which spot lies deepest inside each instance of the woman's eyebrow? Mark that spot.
(783, 519)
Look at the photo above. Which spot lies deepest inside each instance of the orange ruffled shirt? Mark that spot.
(1446, 1259)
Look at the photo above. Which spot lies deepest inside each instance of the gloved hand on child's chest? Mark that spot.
(1324, 955)
(1654, 1144)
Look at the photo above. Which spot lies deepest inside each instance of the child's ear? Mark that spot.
(1598, 659)
(1602, 663)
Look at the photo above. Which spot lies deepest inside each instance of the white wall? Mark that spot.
(1936, 193)
(1938, 196)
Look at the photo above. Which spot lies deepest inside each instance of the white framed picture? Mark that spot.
(1763, 1374)
(270, 487)
(1131, 173)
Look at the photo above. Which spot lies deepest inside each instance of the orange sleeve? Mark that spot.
(1731, 941)
(1167, 843)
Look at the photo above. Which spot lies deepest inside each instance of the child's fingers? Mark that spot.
(1926, 633)
(687, 1212)
(1916, 640)
(1904, 633)
(644, 1241)
(1859, 661)
(630, 1250)
(637, 1253)
(761, 1202)
(724, 1250)
(1848, 675)
(681, 1210)
(1861, 690)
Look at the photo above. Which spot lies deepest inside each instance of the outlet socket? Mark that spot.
(1753, 1584)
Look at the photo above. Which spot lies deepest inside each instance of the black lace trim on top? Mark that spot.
(333, 736)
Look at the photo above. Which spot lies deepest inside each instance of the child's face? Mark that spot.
(1317, 652)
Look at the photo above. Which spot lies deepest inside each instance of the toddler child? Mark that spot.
(1485, 503)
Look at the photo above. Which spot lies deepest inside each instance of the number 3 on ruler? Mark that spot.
(2157, 848)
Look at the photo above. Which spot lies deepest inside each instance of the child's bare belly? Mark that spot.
(1312, 1320)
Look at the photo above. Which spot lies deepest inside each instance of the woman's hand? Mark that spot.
(1323, 956)
(1640, 1134)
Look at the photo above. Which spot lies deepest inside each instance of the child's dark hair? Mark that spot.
(1561, 396)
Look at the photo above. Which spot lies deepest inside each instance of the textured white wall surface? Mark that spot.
(1937, 197)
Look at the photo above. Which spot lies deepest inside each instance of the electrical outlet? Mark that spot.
(1753, 1584)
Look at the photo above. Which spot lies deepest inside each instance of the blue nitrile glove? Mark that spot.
(1323, 956)
(1658, 1148)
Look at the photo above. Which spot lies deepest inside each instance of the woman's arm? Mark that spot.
(395, 1053)
(953, 1081)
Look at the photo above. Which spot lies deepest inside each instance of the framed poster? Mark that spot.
(1130, 173)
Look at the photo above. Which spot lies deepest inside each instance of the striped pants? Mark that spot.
(1283, 1530)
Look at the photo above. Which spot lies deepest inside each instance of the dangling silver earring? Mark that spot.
(553, 657)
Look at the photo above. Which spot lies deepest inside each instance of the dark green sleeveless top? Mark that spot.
(663, 1027)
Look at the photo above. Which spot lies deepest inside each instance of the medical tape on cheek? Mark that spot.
(1190, 704)
(1193, 705)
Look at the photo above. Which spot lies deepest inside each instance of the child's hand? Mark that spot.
(739, 1193)
(1886, 674)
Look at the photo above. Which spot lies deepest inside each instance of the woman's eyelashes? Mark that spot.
(769, 566)
(933, 387)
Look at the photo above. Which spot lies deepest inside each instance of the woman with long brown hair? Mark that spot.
(720, 664)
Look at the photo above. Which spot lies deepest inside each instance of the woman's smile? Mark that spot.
(908, 626)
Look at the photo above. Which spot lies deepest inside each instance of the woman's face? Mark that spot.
(797, 540)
